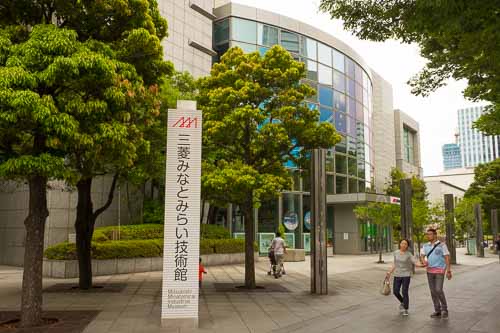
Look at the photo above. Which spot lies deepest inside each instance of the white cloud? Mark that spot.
(397, 63)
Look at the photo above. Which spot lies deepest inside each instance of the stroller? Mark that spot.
(272, 262)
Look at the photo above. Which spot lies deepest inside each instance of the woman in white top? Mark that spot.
(402, 269)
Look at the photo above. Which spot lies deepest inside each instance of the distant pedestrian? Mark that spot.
(402, 269)
(201, 271)
(279, 249)
(436, 258)
(497, 243)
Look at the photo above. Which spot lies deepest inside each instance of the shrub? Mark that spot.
(153, 211)
(220, 246)
(206, 246)
(212, 231)
(109, 250)
(129, 232)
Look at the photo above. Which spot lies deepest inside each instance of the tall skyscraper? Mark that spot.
(475, 147)
(452, 157)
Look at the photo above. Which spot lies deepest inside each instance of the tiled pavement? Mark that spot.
(353, 304)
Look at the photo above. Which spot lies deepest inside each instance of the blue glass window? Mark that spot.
(290, 41)
(339, 81)
(359, 112)
(267, 35)
(339, 101)
(338, 61)
(325, 75)
(221, 32)
(359, 93)
(350, 67)
(244, 30)
(263, 50)
(247, 48)
(342, 145)
(340, 122)
(312, 106)
(325, 114)
(351, 87)
(351, 107)
(351, 126)
(325, 96)
(325, 54)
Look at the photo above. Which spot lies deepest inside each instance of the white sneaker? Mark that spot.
(405, 313)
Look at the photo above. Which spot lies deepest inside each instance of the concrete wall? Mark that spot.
(186, 24)
(450, 182)
(346, 223)
(62, 212)
(402, 120)
(383, 129)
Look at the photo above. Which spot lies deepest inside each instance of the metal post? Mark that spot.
(494, 223)
(319, 276)
(406, 211)
(450, 227)
(479, 231)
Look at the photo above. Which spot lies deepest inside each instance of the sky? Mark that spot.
(396, 63)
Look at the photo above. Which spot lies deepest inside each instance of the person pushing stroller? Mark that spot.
(276, 253)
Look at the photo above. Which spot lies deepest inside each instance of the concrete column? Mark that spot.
(319, 276)
(406, 210)
(450, 227)
(494, 223)
(479, 231)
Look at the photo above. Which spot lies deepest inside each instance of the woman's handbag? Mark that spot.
(386, 287)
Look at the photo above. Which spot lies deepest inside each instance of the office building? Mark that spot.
(475, 147)
(452, 157)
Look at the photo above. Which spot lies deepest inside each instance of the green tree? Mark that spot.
(486, 187)
(464, 218)
(382, 215)
(255, 121)
(39, 70)
(458, 38)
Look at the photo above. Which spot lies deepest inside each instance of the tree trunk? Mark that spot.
(84, 226)
(31, 300)
(249, 241)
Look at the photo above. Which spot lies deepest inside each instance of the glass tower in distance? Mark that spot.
(475, 147)
(452, 157)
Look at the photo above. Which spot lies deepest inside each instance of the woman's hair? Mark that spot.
(404, 240)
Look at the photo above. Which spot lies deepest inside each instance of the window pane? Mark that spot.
(361, 187)
(339, 101)
(340, 122)
(330, 161)
(340, 185)
(324, 75)
(330, 184)
(339, 81)
(325, 96)
(263, 50)
(359, 112)
(340, 164)
(247, 48)
(351, 87)
(360, 131)
(244, 30)
(351, 146)
(324, 54)
(359, 93)
(267, 35)
(351, 107)
(358, 74)
(308, 48)
(221, 32)
(290, 41)
(361, 169)
(268, 216)
(312, 70)
(350, 67)
(352, 167)
(325, 114)
(342, 145)
(312, 106)
(313, 85)
(351, 126)
(353, 185)
(338, 61)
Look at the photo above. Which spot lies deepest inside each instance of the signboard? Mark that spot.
(239, 235)
(291, 220)
(181, 250)
(307, 242)
(395, 200)
(346, 236)
(265, 240)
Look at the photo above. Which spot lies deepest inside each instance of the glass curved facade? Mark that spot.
(343, 96)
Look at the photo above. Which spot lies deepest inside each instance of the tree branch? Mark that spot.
(110, 198)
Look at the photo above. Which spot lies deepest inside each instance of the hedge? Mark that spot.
(140, 248)
(109, 250)
(129, 232)
(154, 231)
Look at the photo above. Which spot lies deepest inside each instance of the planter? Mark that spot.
(295, 255)
(68, 269)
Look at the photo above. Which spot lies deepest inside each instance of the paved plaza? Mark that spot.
(353, 304)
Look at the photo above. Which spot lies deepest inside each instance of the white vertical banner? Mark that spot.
(181, 251)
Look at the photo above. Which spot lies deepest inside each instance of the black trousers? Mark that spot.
(404, 283)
